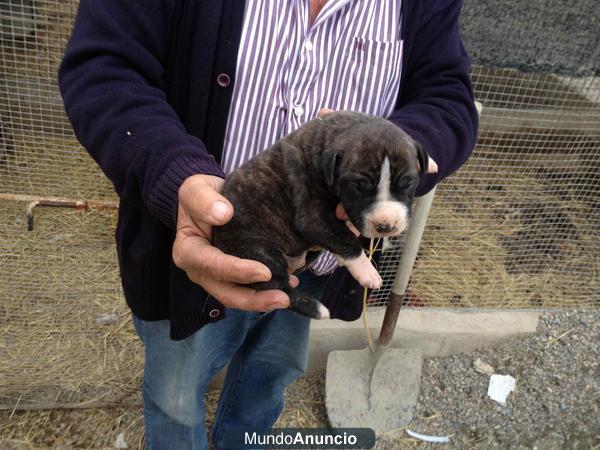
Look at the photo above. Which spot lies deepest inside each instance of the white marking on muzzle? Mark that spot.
(385, 209)
(383, 188)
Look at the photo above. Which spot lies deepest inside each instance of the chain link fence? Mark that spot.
(517, 227)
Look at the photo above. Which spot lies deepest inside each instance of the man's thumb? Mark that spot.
(219, 211)
(205, 203)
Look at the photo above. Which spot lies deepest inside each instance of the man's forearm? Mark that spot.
(112, 84)
(436, 105)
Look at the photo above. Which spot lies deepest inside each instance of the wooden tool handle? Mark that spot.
(407, 261)
(389, 320)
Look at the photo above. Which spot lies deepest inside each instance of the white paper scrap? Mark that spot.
(499, 388)
(424, 437)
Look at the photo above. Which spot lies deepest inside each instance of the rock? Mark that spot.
(106, 319)
(120, 442)
(483, 367)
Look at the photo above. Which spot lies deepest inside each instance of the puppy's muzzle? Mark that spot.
(384, 227)
(385, 219)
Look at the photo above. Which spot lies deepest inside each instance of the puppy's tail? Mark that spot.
(307, 305)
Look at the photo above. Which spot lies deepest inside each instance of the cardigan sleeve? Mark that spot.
(435, 104)
(111, 80)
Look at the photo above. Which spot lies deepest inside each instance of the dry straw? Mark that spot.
(65, 332)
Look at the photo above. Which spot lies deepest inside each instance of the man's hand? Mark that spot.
(200, 208)
(341, 214)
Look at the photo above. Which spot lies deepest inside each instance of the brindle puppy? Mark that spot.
(285, 198)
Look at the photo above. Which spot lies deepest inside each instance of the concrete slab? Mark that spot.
(373, 390)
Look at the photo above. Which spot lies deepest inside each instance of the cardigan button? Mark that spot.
(223, 80)
(214, 313)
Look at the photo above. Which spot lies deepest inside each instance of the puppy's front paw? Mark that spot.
(363, 271)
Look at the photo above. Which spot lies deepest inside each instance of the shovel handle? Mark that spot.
(407, 261)
(389, 320)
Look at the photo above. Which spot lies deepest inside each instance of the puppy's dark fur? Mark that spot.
(285, 198)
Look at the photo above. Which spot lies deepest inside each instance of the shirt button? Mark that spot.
(298, 110)
(223, 80)
(214, 313)
(308, 46)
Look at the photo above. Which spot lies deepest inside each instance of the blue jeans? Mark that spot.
(265, 352)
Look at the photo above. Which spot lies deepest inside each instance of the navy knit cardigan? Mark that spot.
(139, 83)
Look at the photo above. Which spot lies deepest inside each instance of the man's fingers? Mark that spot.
(432, 166)
(294, 281)
(237, 270)
(200, 197)
(324, 111)
(221, 266)
(245, 298)
(352, 228)
(200, 259)
(210, 207)
(340, 212)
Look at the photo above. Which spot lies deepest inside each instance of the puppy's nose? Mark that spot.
(384, 227)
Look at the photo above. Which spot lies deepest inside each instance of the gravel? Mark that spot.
(549, 36)
(556, 403)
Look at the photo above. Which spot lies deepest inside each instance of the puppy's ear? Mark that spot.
(423, 158)
(328, 165)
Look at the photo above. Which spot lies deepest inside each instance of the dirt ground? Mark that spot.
(556, 404)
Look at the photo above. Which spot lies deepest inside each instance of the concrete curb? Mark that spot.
(433, 331)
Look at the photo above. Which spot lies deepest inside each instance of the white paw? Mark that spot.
(323, 312)
(363, 271)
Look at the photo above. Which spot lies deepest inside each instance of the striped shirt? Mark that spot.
(287, 70)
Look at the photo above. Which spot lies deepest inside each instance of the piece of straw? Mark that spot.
(365, 294)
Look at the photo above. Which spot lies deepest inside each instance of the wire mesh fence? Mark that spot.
(38, 154)
(516, 227)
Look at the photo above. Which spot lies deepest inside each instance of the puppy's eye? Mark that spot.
(361, 184)
(405, 184)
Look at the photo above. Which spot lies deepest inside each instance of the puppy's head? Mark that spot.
(374, 168)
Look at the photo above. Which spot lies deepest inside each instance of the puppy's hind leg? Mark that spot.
(306, 304)
(300, 301)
